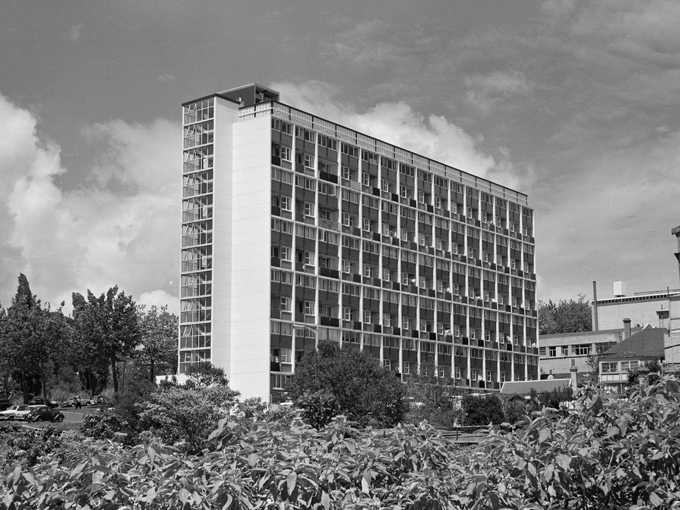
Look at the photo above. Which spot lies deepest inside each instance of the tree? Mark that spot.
(361, 389)
(109, 323)
(205, 374)
(482, 410)
(159, 338)
(565, 317)
(188, 415)
(32, 339)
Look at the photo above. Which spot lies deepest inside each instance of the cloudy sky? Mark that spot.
(575, 103)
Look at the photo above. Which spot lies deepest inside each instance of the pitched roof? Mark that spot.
(646, 344)
(524, 387)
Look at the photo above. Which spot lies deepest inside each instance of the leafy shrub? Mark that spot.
(515, 410)
(186, 416)
(364, 391)
(319, 407)
(611, 454)
(104, 424)
(23, 447)
(482, 410)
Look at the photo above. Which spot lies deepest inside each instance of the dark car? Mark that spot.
(41, 402)
(43, 413)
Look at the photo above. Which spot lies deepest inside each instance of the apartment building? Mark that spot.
(296, 229)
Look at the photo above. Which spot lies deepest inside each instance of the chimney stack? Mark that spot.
(626, 328)
(574, 377)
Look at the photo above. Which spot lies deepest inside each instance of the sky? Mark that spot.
(574, 103)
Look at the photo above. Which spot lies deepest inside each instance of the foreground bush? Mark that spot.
(331, 381)
(610, 455)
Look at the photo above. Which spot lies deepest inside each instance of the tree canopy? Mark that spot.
(350, 382)
(564, 317)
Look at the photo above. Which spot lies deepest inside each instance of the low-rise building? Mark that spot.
(560, 352)
(641, 349)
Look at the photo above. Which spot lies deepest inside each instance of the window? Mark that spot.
(285, 203)
(421, 197)
(346, 220)
(437, 202)
(385, 186)
(565, 350)
(346, 173)
(346, 266)
(367, 317)
(309, 160)
(285, 153)
(309, 308)
(458, 374)
(365, 179)
(386, 274)
(628, 365)
(581, 350)
(403, 191)
(368, 272)
(309, 209)
(387, 320)
(406, 369)
(541, 351)
(608, 368)
(285, 304)
(405, 323)
(346, 313)
(552, 352)
(367, 224)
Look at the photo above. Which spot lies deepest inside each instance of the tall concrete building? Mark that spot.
(296, 229)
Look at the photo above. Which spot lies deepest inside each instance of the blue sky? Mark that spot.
(574, 103)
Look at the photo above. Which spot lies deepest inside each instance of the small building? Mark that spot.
(641, 349)
(559, 352)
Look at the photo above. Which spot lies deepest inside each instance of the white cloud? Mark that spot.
(74, 32)
(486, 91)
(397, 123)
(121, 227)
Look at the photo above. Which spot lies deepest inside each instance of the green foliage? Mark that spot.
(364, 391)
(609, 454)
(104, 424)
(205, 374)
(109, 325)
(24, 447)
(159, 340)
(33, 338)
(185, 416)
(552, 399)
(320, 407)
(482, 410)
(564, 317)
(515, 410)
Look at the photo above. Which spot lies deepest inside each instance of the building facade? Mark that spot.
(560, 352)
(296, 229)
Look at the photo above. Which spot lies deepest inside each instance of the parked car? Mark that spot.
(40, 402)
(67, 403)
(8, 414)
(43, 413)
(96, 400)
(20, 412)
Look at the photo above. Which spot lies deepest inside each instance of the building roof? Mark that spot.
(524, 387)
(646, 344)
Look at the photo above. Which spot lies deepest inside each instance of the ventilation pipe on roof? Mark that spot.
(595, 306)
(626, 328)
